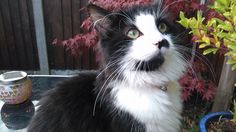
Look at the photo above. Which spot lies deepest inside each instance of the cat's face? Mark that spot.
(137, 39)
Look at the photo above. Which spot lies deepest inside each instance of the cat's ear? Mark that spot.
(100, 17)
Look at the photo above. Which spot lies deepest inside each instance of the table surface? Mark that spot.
(15, 118)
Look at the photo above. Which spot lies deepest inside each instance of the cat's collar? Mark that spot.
(163, 88)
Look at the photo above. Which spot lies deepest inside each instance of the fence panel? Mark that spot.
(62, 21)
(63, 18)
(17, 38)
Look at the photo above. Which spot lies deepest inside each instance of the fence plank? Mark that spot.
(27, 35)
(4, 57)
(48, 29)
(16, 22)
(86, 52)
(57, 28)
(67, 30)
(62, 21)
(4, 5)
(76, 21)
(225, 89)
(53, 16)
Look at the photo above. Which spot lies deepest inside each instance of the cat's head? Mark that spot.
(138, 39)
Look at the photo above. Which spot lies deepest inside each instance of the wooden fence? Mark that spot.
(62, 21)
(17, 38)
(18, 48)
(62, 18)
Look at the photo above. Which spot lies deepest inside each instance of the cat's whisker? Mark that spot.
(200, 57)
(179, 37)
(99, 93)
(159, 10)
(166, 7)
(108, 65)
(117, 53)
(115, 77)
(189, 64)
(127, 16)
(118, 70)
(101, 89)
(111, 14)
(198, 54)
(135, 73)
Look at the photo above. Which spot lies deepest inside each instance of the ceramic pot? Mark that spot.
(15, 87)
(212, 117)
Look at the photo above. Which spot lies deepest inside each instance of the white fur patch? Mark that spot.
(158, 110)
(144, 48)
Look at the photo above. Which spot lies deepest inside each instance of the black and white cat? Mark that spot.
(137, 89)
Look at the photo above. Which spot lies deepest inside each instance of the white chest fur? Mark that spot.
(159, 110)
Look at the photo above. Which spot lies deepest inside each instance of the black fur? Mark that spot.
(69, 108)
(150, 65)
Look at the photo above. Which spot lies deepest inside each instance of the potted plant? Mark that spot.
(218, 121)
(213, 117)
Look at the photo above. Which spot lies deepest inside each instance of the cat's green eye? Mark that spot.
(133, 33)
(162, 27)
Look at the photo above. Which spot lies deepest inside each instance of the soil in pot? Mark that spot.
(223, 125)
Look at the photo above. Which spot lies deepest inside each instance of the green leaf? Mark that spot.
(232, 46)
(203, 45)
(234, 113)
(200, 19)
(226, 26)
(210, 50)
(231, 61)
(222, 34)
(234, 67)
(233, 11)
(217, 44)
(227, 14)
(226, 42)
(183, 20)
(224, 2)
(211, 22)
(234, 19)
(230, 53)
(219, 20)
(233, 35)
(206, 39)
(218, 6)
(193, 23)
(195, 32)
